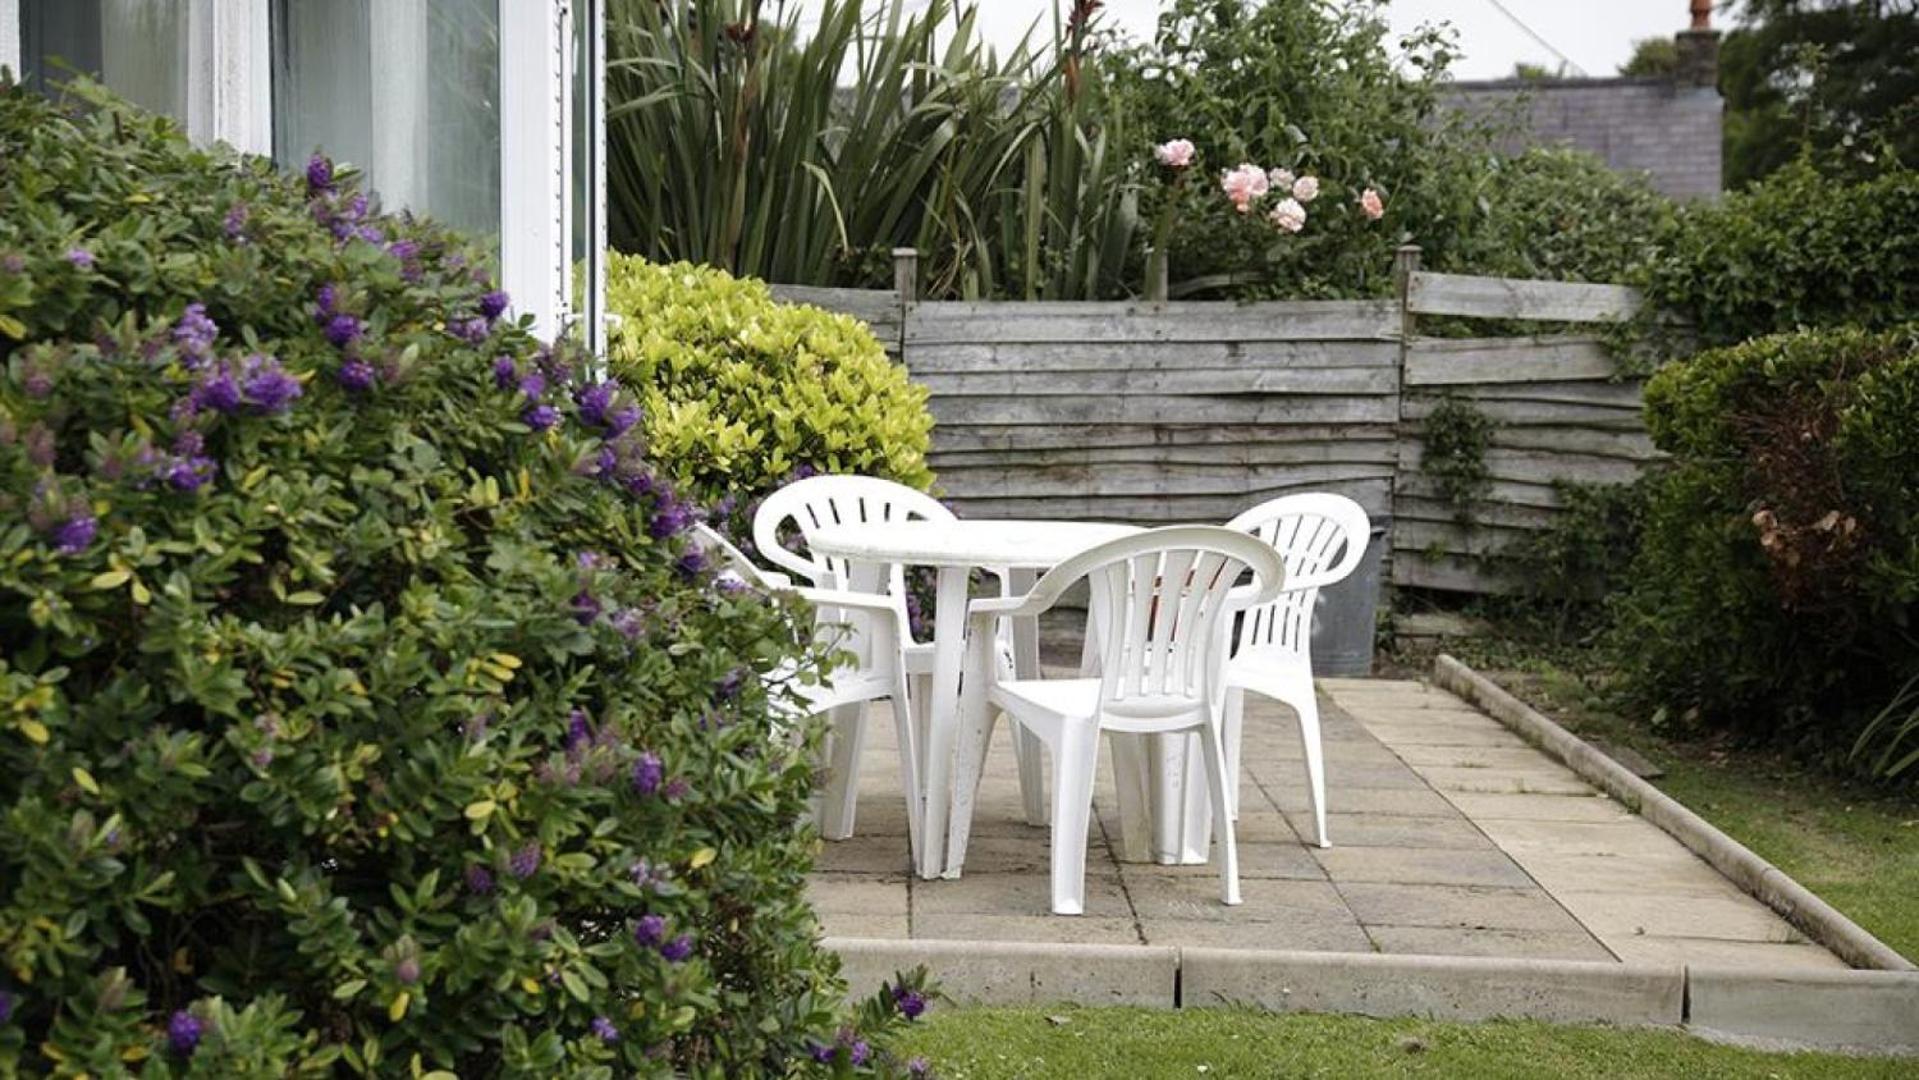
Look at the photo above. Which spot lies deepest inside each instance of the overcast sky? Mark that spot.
(1596, 35)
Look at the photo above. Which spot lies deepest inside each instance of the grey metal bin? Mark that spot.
(1345, 618)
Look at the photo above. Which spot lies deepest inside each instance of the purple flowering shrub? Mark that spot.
(361, 706)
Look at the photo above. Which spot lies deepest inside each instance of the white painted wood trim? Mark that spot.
(596, 312)
(229, 74)
(534, 230)
(10, 36)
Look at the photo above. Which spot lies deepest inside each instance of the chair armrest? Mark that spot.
(880, 603)
(1003, 606)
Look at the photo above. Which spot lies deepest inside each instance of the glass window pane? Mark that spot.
(138, 48)
(407, 90)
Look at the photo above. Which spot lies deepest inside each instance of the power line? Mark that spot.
(1534, 34)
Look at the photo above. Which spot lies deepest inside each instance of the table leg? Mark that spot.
(975, 724)
(1032, 752)
(949, 647)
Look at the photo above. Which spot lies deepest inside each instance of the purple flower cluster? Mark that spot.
(357, 376)
(493, 305)
(648, 772)
(81, 258)
(600, 406)
(75, 534)
(604, 1029)
(857, 1050)
(911, 1003)
(235, 225)
(479, 880)
(319, 176)
(194, 333)
(526, 861)
(183, 1032)
(649, 931)
(407, 971)
(259, 383)
(189, 468)
(342, 330)
(473, 331)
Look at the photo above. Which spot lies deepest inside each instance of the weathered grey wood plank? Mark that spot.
(1505, 515)
(1543, 467)
(1629, 445)
(1537, 413)
(1449, 573)
(961, 438)
(935, 357)
(1459, 361)
(975, 323)
(1481, 540)
(1349, 451)
(1517, 298)
(1179, 382)
(1150, 409)
(1510, 492)
(1374, 495)
(1157, 479)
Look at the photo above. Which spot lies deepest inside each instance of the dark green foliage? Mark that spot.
(1838, 79)
(1555, 215)
(1566, 571)
(1456, 436)
(356, 731)
(1654, 57)
(1800, 249)
(1304, 86)
(1776, 589)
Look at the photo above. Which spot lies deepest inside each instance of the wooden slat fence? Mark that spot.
(1192, 411)
(1560, 413)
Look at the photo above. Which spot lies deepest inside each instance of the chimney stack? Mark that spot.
(1698, 49)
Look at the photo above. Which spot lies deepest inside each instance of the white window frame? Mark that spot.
(230, 98)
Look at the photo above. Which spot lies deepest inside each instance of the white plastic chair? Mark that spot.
(1171, 592)
(871, 627)
(1320, 538)
(823, 501)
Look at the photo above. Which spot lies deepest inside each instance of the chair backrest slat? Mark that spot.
(820, 502)
(1320, 539)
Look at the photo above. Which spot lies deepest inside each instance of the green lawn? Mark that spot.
(1856, 846)
(1083, 1044)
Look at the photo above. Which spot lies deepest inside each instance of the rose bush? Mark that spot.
(361, 707)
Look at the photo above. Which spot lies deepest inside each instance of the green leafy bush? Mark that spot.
(1797, 249)
(1776, 591)
(741, 392)
(361, 709)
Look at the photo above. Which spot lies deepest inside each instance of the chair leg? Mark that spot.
(1234, 731)
(909, 762)
(843, 772)
(1075, 759)
(1307, 706)
(1215, 754)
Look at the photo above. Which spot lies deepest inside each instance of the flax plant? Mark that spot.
(802, 143)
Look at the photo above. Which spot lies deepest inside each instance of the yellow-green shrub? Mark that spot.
(741, 392)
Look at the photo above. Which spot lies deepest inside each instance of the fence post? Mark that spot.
(1157, 274)
(906, 282)
(1405, 265)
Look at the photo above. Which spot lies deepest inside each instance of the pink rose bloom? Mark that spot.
(1177, 154)
(1289, 215)
(1306, 189)
(1281, 179)
(1369, 202)
(1245, 186)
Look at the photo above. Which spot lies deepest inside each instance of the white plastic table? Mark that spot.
(955, 549)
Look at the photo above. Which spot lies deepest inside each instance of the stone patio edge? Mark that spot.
(1860, 1011)
(1765, 882)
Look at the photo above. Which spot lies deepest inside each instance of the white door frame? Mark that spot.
(230, 98)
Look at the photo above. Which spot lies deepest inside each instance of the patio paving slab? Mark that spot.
(1452, 838)
(1461, 907)
(1454, 941)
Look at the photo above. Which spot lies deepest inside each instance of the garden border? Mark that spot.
(1765, 882)
(1874, 1012)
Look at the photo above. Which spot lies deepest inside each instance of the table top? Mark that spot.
(1026, 545)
